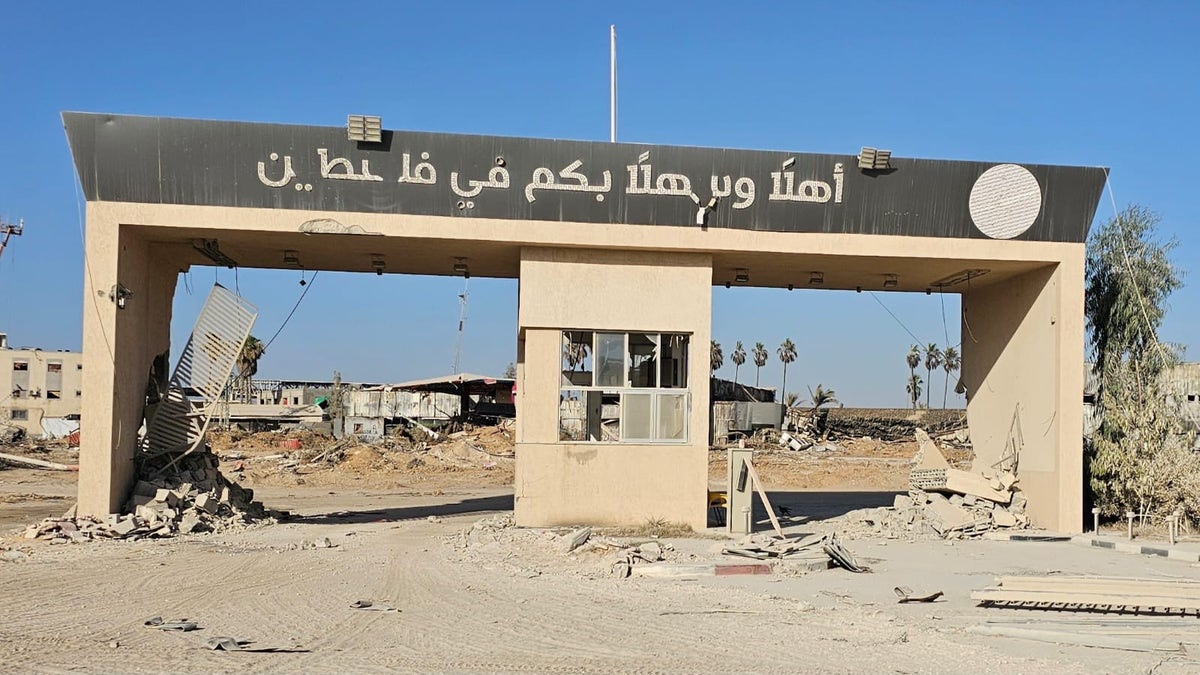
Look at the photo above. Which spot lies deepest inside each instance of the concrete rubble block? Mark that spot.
(184, 489)
(1003, 518)
(148, 513)
(1007, 480)
(957, 500)
(206, 502)
(165, 496)
(947, 517)
(189, 523)
(225, 496)
(1019, 501)
(125, 526)
(902, 502)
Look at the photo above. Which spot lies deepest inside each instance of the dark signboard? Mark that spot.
(179, 161)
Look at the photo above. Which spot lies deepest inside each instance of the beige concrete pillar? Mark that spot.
(118, 348)
(1023, 357)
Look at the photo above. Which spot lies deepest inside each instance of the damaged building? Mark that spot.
(43, 390)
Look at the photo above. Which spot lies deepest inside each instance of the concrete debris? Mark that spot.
(577, 538)
(906, 595)
(811, 553)
(186, 496)
(943, 503)
(178, 625)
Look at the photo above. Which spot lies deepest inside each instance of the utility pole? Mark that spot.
(462, 320)
(8, 230)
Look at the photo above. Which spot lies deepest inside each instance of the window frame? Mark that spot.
(627, 391)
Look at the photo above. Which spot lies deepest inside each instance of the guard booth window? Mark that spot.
(623, 387)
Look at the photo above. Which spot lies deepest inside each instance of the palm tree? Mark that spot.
(739, 357)
(716, 356)
(760, 359)
(933, 359)
(822, 396)
(913, 358)
(787, 354)
(914, 389)
(247, 362)
(791, 400)
(951, 362)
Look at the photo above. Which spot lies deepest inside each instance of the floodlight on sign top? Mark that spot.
(873, 159)
(364, 128)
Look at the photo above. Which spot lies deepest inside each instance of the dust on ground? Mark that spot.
(474, 456)
(422, 526)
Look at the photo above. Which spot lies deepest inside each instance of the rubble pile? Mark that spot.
(824, 424)
(496, 541)
(180, 496)
(944, 502)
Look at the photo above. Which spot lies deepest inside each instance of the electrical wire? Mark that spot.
(294, 308)
(885, 308)
(1137, 290)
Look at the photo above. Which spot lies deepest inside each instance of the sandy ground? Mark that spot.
(511, 600)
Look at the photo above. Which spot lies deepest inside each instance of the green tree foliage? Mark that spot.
(1129, 278)
(247, 363)
(787, 354)
(738, 357)
(760, 359)
(1139, 457)
(933, 359)
(914, 389)
(716, 357)
(951, 362)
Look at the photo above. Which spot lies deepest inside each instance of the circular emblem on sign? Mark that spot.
(1005, 201)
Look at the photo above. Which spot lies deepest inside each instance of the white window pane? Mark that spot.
(672, 417)
(636, 413)
(610, 359)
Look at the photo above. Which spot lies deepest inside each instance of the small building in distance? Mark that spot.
(40, 391)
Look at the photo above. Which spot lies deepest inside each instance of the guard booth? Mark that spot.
(616, 247)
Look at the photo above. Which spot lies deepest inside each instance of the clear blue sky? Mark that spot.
(1111, 84)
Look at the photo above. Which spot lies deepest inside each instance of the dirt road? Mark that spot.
(81, 607)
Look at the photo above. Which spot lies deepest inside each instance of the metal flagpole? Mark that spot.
(612, 84)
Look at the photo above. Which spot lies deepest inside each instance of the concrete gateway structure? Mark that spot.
(616, 248)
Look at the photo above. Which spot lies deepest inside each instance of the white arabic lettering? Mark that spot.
(813, 191)
(497, 178)
(425, 173)
(288, 173)
(743, 187)
(327, 166)
(667, 184)
(543, 179)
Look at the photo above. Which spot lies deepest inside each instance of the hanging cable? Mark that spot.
(885, 308)
(294, 308)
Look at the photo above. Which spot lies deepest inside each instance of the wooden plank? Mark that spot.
(1123, 642)
(1109, 600)
(1161, 587)
(29, 461)
(762, 494)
